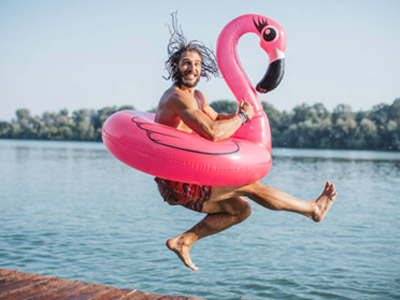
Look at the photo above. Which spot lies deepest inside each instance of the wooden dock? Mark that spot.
(16, 285)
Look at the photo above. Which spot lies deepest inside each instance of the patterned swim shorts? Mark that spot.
(191, 196)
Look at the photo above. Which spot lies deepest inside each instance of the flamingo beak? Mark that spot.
(273, 76)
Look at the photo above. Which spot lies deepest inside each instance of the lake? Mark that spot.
(72, 210)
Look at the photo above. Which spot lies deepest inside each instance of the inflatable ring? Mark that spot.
(134, 138)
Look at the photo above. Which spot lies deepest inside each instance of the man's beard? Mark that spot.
(182, 81)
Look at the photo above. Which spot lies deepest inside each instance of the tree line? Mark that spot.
(81, 125)
(306, 126)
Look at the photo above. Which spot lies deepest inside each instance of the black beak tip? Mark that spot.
(261, 90)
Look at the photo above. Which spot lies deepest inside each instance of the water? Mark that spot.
(72, 210)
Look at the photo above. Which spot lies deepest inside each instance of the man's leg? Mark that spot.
(275, 199)
(226, 208)
(221, 215)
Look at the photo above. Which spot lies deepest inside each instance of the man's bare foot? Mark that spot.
(324, 202)
(178, 245)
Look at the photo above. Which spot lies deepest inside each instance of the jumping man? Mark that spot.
(185, 108)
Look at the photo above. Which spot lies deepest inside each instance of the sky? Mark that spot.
(91, 54)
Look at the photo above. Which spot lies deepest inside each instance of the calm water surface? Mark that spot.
(72, 210)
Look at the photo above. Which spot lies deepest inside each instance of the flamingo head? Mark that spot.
(273, 41)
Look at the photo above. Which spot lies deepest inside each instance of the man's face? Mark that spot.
(190, 68)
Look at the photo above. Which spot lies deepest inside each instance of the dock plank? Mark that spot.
(16, 285)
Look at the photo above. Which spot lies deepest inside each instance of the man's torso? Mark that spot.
(166, 113)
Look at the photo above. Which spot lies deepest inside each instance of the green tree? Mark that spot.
(83, 129)
(319, 112)
(274, 117)
(224, 106)
(23, 128)
(301, 113)
(5, 130)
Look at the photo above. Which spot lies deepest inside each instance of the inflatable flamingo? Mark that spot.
(134, 138)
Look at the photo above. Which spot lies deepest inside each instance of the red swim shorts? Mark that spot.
(191, 196)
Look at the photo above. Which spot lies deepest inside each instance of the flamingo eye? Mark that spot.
(270, 34)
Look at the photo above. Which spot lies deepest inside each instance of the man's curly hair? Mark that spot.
(178, 44)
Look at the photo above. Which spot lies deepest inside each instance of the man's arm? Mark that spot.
(207, 124)
(213, 115)
(219, 116)
(216, 116)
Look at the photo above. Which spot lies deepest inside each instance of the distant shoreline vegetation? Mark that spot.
(306, 126)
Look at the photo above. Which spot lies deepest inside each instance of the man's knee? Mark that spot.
(243, 209)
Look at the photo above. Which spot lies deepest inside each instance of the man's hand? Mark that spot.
(246, 108)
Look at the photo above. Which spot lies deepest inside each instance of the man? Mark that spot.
(185, 108)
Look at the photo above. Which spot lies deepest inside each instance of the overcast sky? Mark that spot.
(91, 54)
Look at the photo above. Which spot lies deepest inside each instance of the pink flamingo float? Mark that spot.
(134, 138)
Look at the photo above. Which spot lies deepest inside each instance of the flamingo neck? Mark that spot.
(228, 61)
